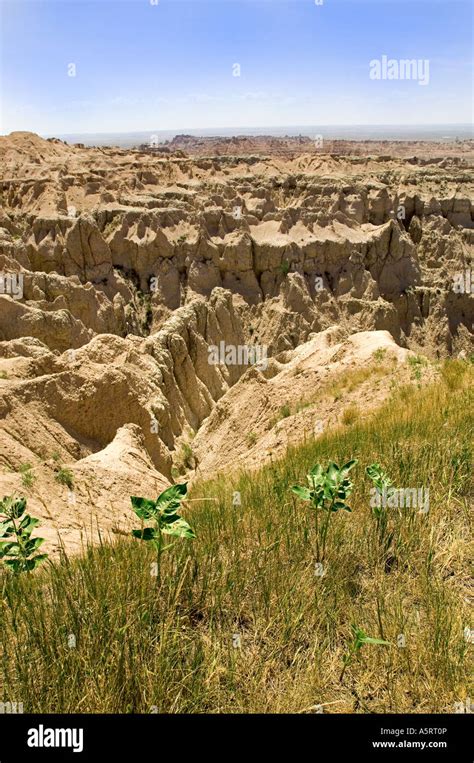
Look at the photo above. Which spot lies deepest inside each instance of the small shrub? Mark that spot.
(27, 476)
(64, 477)
(328, 492)
(185, 460)
(188, 455)
(167, 521)
(360, 638)
(382, 482)
(379, 354)
(350, 415)
(416, 363)
(283, 413)
(251, 439)
(17, 548)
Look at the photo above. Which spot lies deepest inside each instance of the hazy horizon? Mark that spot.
(84, 66)
(441, 132)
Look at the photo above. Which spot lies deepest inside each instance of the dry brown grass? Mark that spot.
(251, 573)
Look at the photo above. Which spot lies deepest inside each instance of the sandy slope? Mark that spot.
(131, 265)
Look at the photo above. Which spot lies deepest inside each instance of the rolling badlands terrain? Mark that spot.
(122, 269)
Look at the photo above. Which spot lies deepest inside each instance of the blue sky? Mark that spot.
(142, 67)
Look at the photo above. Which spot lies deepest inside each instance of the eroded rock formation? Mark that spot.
(129, 265)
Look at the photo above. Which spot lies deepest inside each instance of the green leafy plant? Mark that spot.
(416, 363)
(185, 459)
(285, 267)
(382, 482)
(27, 476)
(166, 520)
(379, 354)
(360, 638)
(17, 547)
(188, 455)
(328, 492)
(251, 439)
(64, 477)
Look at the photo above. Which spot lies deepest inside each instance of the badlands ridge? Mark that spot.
(120, 269)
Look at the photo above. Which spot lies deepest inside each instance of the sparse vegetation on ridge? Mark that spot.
(27, 475)
(65, 477)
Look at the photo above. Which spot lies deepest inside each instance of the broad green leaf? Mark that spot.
(170, 499)
(28, 523)
(316, 471)
(15, 564)
(369, 640)
(302, 492)
(347, 467)
(18, 507)
(38, 559)
(328, 492)
(372, 470)
(168, 518)
(180, 528)
(33, 545)
(143, 508)
(12, 507)
(378, 476)
(13, 549)
(6, 529)
(148, 533)
(5, 547)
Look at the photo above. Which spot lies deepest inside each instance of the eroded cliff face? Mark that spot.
(121, 269)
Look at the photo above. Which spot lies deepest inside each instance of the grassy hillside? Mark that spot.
(249, 578)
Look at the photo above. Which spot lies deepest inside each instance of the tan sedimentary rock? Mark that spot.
(133, 265)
